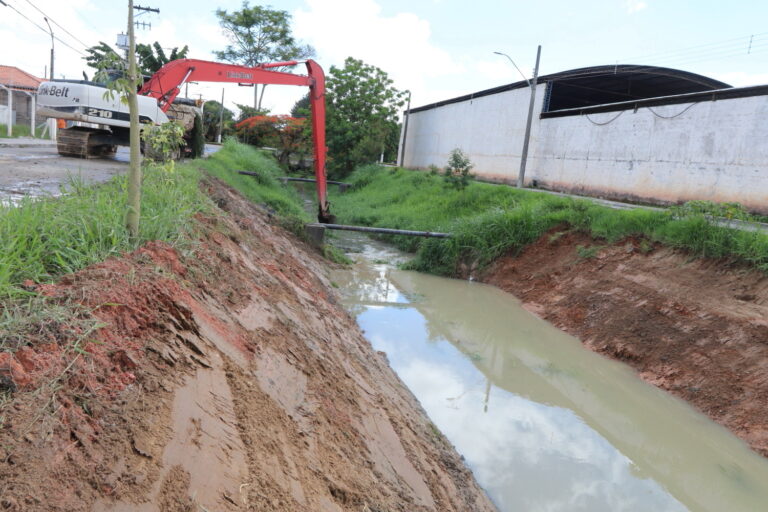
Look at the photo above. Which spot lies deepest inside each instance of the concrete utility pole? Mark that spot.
(401, 160)
(51, 31)
(221, 118)
(527, 137)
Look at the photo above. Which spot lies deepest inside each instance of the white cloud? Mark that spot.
(634, 6)
(742, 78)
(400, 44)
(28, 47)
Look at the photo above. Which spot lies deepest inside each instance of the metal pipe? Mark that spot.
(386, 231)
(290, 178)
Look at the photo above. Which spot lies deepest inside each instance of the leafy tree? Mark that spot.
(301, 108)
(285, 133)
(247, 111)
(105, 60)
(258, 35)
(457, 171)
(362, 108)
(211, 117)
(152, 58)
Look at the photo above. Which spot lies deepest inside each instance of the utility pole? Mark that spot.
(51, 31)
(527, 137)
(221, 118)
(401, 161)
(134, 175)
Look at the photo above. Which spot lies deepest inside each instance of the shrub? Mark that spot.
(457, 171)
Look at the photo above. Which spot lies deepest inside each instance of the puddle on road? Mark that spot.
(544, 423)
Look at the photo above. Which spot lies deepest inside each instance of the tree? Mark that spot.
(247, 111)
(362, 109)
(105, 60)
(152, 58)
(285, 133)
(257, 35)
(211, 117)
(301, 108)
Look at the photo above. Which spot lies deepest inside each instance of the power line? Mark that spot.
(737, 41)
(57, 24)
(41, 28)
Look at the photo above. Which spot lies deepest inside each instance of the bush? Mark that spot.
(457, 172)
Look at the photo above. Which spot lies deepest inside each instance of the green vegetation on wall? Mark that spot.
(488, 221)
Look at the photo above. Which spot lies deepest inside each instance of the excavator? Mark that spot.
(97, 123)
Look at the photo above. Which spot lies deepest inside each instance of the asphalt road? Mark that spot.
(38, 170)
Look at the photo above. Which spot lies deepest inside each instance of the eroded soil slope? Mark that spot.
(696, 328)
(225, 378)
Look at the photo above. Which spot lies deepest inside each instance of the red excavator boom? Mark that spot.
(166, 84)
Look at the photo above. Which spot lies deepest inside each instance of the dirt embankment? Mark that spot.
(696, 328)
(225, 378)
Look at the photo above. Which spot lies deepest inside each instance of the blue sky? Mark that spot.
(435, 48)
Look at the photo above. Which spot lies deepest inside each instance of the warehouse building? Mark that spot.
(626, 132)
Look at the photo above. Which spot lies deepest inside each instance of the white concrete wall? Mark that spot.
(489, 129)
(716, 150)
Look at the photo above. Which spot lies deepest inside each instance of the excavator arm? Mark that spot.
(166, 84)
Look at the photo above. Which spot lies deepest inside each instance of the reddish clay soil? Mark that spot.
(696, 328)
(223, 377)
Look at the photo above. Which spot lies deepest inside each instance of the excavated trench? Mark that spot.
(544, 422)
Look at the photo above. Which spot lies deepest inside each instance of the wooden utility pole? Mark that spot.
(134, 175)
(526, 139)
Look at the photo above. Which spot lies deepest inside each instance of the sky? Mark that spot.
(437, 49)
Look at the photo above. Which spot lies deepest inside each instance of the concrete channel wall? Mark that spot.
(712, 150)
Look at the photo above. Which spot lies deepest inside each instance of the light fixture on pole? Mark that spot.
(517, 68)
(527, 137)
(51, 30)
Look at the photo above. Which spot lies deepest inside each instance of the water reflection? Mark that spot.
(545, 424)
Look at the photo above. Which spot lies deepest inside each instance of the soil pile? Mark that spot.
(224, 378)
(696, 328)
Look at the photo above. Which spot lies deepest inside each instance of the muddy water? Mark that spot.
(544, 423)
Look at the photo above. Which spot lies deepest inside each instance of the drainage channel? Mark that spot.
(544, 423)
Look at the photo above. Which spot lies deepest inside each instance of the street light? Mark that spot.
(517, 68)
(527, 137)
(51, 30)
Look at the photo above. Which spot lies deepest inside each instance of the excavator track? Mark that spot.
(79, 142)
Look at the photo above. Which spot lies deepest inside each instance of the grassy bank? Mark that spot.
(490, 220)
(20, 130)
(45, 238)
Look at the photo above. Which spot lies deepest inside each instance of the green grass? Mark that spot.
(43, 239)
(265, 188)
(19, 130)
(490, 220)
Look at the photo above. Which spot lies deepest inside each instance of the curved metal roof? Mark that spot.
(599, 85)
